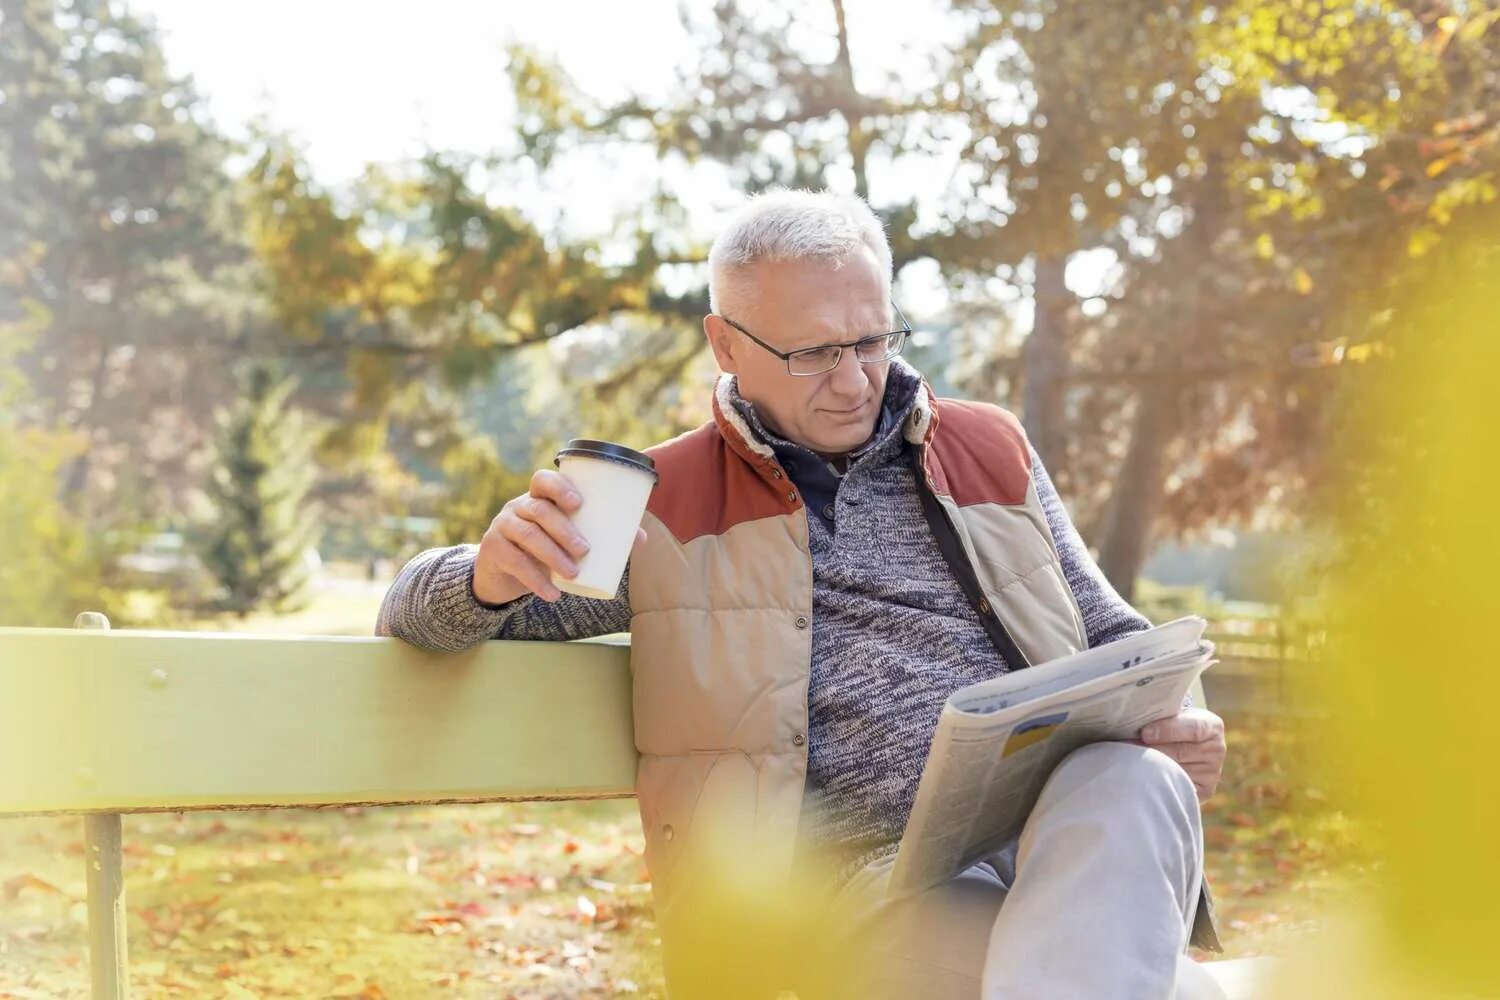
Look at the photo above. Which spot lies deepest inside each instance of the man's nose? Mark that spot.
(848, 376)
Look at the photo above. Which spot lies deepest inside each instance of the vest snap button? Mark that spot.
(801, 621)
(799, 740)
(667, 833)
(776, 473)
(791, 496)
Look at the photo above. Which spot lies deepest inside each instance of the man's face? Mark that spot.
(796, 304)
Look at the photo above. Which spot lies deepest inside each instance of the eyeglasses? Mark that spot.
(826, 357)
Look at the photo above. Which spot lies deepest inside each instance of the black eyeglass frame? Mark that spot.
(787, 356)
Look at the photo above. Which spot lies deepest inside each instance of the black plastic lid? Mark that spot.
(584, 448)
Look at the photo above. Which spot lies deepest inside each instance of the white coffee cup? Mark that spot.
(614, 482)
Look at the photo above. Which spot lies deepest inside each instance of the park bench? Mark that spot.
(101, 723)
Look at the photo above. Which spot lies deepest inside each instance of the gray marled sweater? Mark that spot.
(893, 635)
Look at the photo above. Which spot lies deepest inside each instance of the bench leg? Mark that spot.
(105, 866)
(106, 882)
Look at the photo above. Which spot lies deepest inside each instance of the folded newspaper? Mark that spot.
(997, 742)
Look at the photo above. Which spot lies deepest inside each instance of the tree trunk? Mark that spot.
(854, 121)
(1044, 359)
(1142, 483)
(1158, 415)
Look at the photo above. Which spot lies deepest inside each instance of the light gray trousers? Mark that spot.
(1095, 900)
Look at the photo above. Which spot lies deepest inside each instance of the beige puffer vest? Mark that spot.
(721, 596)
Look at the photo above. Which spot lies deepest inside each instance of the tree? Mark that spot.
(406, 297)
(115, 220)
(258, 542)
(1371, 141)
(1221, 152)
(1241, 163)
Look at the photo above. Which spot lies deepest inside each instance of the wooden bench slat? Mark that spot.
(133, 720)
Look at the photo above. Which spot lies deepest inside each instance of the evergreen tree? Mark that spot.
(117, 222)
(257, 546)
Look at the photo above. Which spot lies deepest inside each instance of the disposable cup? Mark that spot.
(614, 482)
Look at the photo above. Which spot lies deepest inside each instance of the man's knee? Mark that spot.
(1128, 801)
(1123, 772)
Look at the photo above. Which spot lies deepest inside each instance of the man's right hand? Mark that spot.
(532, 537)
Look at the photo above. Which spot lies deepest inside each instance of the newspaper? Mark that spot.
(997, 742)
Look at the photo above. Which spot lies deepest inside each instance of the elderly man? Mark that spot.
(819, 568)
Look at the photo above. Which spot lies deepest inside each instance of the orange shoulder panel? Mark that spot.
(978, 454)
(706, 488)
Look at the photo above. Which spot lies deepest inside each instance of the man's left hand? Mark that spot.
(1194, 738)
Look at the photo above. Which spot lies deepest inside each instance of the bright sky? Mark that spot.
(375, 81)
(378, 81)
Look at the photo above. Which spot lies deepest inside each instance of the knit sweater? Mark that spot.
(893, 635)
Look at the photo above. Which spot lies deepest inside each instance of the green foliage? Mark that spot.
(258, 542)
(1251, 165)
(1248, 163)
(47, 573)
(477, 484)
(407, 294)
(49, 568)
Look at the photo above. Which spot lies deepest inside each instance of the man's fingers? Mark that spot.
(536, 577)
(1192, 753)
(1194, 738)
(1182, 729)
(550, 518)
(520, 568)
(1191, 726)
(536, 543)
(555, 486)
(1205, 780)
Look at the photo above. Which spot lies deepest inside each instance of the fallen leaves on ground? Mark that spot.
(516, 900)
(1277, 854)
(12, 887)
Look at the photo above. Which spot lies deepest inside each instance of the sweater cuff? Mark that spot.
(456, 610)
(473, 563)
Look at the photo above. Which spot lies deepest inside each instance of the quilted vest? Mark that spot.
(721, 597)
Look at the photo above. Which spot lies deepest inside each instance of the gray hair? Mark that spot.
(783, 224)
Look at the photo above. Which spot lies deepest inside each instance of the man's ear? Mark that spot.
(721, 339)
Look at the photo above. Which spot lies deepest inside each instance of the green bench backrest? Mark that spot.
(124, 721)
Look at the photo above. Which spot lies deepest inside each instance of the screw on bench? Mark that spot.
(105, 866)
